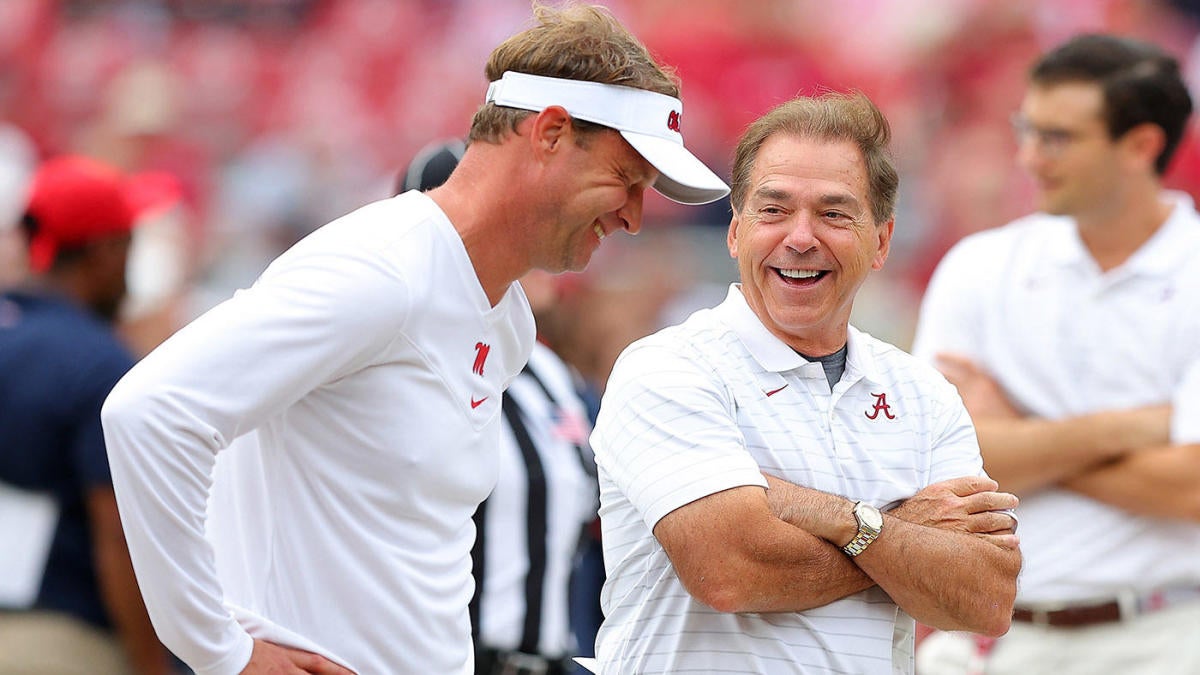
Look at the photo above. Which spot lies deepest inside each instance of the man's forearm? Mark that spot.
(796, 506)
(734, 555)
(1160, 482)
(944, 578)
(808, 509)
(943, 570)
(822, 575)
(1027, 454)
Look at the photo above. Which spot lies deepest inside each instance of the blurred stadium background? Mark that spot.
(259, 120)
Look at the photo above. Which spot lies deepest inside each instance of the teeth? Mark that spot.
(799, 274)
(599, 231)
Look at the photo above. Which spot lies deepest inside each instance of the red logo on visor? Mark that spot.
(673, 121)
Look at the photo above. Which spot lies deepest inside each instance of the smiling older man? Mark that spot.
(781, 493)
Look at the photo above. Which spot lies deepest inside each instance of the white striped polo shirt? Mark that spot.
(709, 405)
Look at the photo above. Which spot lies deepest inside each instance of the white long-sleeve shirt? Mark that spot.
(353, 394)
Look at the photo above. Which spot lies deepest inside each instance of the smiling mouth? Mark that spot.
(801, 277)
(599, 230)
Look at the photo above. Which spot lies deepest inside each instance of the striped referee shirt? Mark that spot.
(711, 404)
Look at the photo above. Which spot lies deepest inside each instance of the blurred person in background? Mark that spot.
(161, 262)
(1073, 336)
(528, 530)
(137, 128)
(70, 600)
(724, 444)
(18, 160)
(340, 418)
(622, 296)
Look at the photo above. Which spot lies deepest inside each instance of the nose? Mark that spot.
(631, 212)
(801, 235)
(1029, 155)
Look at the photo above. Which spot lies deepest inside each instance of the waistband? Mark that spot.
(504, 662)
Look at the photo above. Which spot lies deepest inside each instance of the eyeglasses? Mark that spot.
(1051, 141)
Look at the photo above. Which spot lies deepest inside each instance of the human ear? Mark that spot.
(1145, 143)
(884, 232)
(550, 127)
(731, 237)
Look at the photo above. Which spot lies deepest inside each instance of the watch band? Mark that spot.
(859, 543)
(866, 532)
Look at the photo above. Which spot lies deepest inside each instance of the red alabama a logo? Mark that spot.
(881, 405)
(481, 354)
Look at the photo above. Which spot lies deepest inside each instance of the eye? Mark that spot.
(771, 213)
(838, 217)
(1055, 137)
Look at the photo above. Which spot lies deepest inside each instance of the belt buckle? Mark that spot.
(1129, 604)
(1039, 617)
(520, 663)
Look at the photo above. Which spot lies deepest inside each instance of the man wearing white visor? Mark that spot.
(648, 120)
(297, 469)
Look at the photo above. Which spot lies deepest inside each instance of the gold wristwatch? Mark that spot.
(870, 524)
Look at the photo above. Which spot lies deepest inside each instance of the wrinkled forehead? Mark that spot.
(823, 167)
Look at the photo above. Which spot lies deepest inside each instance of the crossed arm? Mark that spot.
(944, 556)
(1124, 458)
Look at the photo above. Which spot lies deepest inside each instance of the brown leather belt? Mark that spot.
(1071, 617)
(1128, 606)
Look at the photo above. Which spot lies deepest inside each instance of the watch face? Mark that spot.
(870, 516)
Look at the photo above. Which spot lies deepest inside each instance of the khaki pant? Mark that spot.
(47, 643)
(1166, 642)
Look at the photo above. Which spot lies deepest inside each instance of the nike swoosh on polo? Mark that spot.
(476, 403)
(775, 391)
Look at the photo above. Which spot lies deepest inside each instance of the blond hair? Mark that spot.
(577, 42)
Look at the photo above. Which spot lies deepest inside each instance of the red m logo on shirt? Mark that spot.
(481, 354)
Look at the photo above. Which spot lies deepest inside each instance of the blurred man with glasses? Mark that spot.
(1073, 336)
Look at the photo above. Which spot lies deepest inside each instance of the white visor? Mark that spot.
(649, 121)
